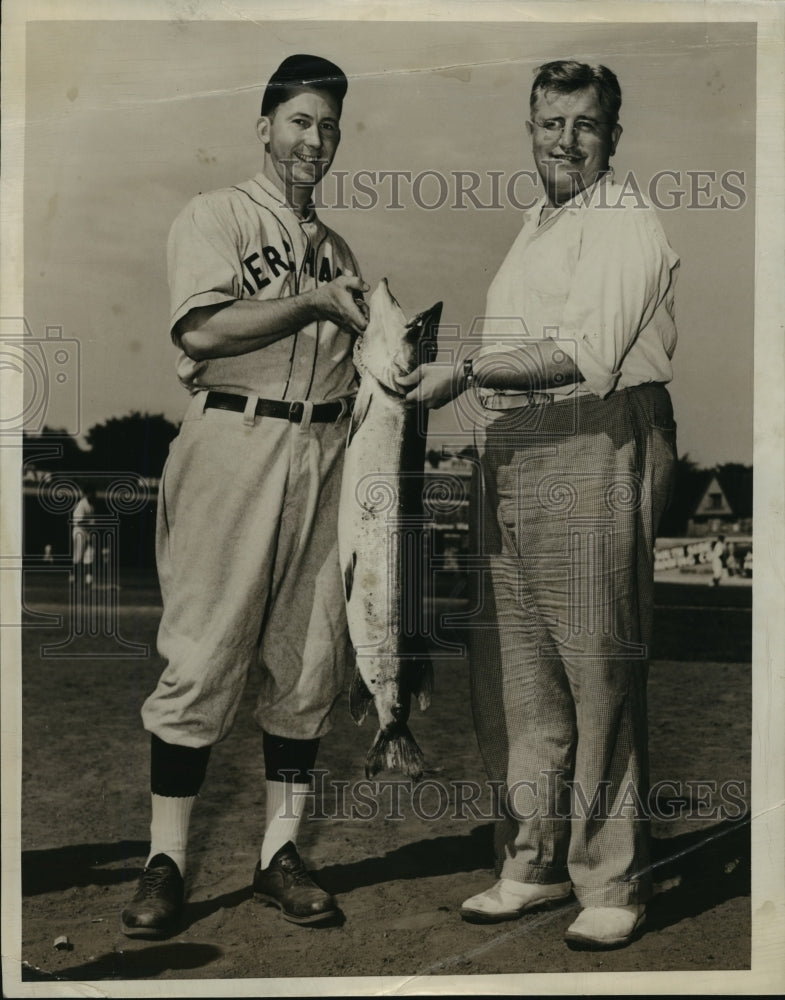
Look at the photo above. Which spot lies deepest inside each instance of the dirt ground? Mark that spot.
(400, 876)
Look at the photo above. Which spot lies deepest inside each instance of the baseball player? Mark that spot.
(81, 538)
(266, 302)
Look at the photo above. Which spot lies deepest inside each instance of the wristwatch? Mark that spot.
(469, 377)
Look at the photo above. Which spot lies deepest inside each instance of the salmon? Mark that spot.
(380, 531)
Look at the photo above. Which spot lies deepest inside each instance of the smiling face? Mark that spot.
(572, 141)
(301, 137)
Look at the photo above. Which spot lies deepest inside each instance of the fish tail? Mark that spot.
(395, 751)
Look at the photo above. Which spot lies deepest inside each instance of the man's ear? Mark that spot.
(529, 127)
(616, 132)
(263, 129)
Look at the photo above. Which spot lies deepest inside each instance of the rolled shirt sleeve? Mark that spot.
(622, 276)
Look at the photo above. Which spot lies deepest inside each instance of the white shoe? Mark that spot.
(599, 927)
(509, 899)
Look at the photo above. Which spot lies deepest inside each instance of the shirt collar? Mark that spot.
(583, 199)
(278, 196)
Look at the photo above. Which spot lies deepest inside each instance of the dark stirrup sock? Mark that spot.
(177, 771)
(288, 760)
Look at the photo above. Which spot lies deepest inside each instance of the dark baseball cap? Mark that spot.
(303, 71)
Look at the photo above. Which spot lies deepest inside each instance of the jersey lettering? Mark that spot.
(289, 255)
(274, 261)
(249, 263)
(255, 279)
(324, 270)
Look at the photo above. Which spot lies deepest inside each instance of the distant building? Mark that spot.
(724, 503)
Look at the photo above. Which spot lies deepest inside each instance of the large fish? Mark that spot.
(380, 531)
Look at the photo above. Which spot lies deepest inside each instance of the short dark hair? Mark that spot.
(568, 75)
(304, 71)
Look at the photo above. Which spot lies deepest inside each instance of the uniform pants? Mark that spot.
(247, 558)
(82, 546)
(573, 493)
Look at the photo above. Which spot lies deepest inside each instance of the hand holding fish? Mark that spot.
(341, 301)
(432, 385)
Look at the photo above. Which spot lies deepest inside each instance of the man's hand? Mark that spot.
(432, 385)
(232, 328)
(341, 302)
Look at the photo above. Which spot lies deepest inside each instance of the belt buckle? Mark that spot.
(296, 410)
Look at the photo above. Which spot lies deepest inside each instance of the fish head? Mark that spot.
(392, 345)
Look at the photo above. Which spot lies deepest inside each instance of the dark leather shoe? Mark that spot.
(155, 909)
(285, 883)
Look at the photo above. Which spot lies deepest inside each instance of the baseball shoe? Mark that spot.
(155, 909)
(285, 883)
(508, 900)
(599, 928)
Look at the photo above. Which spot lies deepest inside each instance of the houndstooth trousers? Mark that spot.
(571, 497)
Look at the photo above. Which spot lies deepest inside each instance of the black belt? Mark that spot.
(323, 413)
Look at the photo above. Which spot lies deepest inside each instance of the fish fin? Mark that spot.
(421, 682)
(348, 577)
(360, 698)
(395, 750)
(361, 406)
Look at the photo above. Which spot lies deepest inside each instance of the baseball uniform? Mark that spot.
(246, 534)
(82, 545)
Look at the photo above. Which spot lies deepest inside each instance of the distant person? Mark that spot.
(82, 537)
(719, 554)
(577, 459)
(265, 305)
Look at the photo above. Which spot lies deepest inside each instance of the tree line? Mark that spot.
(139, 443)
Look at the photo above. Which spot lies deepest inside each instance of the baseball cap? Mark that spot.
(303, 71)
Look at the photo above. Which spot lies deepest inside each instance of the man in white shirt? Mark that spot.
(577, 460)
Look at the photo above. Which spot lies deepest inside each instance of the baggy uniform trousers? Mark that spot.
(247, 556)
(572, 495)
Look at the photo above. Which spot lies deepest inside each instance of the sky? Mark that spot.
(126, 120)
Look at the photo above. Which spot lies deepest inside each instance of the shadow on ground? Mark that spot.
(711, 865)
(77, 865)
(694, 872)
(142, 964)
(705, 868)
